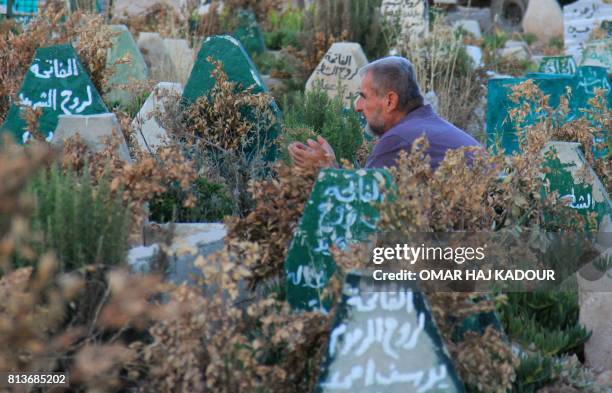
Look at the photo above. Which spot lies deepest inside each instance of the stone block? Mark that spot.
(471, 26)
(540, 11)
(94, 131)
(339, 69)
(150, 135)
(182, 57)
(157, 57)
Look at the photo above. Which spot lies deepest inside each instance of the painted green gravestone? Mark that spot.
(558, 65)
(568, 173)
(56, 82)
(124, 47)
(239, 69)
(249, 33)
(582, 84)
(341, 210)
(384, 339)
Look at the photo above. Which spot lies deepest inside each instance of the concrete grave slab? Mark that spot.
(94, 131)
(156, 56)
(149, 133)
(182, 57)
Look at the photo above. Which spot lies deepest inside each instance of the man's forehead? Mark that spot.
(366, 81)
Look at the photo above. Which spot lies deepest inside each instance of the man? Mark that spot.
(392, 104)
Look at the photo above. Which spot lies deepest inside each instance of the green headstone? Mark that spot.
(124, 73)
(384, 339)
(583, 84)
(56, 82)
(566, 174)
(239, 69)
(558, 65)
(340, 211)
(598, 53)
(249, 33)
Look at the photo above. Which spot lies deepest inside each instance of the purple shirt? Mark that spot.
(441, 134)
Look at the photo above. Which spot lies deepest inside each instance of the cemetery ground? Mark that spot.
(154, 236)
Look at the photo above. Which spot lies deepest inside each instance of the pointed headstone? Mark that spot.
(124, 47)
(558, 65)
(338, 70)
(579, 20)
(571, 176)
(598, 53)
(149, 133)
(239, 69)
(182, 57)
(384, 339)
(94, 130)
(340, 211)
(411, 16)
(543, 10)
(249, 33)
(56, 82)
(157, 57)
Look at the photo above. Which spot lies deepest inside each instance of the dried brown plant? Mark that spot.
(280, 203)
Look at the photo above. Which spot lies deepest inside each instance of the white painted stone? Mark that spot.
(149, 133)
(340, 65)
(412, 15)
(182, 57)
(475, 54)
(93, 129)
(128, 8)
(157, 57)
(544, 19)
(579, 20)
(471, 26)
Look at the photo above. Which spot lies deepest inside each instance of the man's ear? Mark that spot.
(391, 101)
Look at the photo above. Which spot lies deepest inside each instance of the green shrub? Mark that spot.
(285, 28)
(547, 325)
(212, 204)
(81, 222)
(314, 113)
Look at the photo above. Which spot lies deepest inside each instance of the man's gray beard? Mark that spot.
(371, 132)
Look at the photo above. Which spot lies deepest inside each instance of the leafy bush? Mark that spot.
(284, 28)
(82, 223)
(314, 113)
(229, 135)
(211, 205)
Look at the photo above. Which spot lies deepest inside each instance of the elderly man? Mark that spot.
(392, 104)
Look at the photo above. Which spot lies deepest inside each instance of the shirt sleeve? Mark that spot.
(386, 152)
